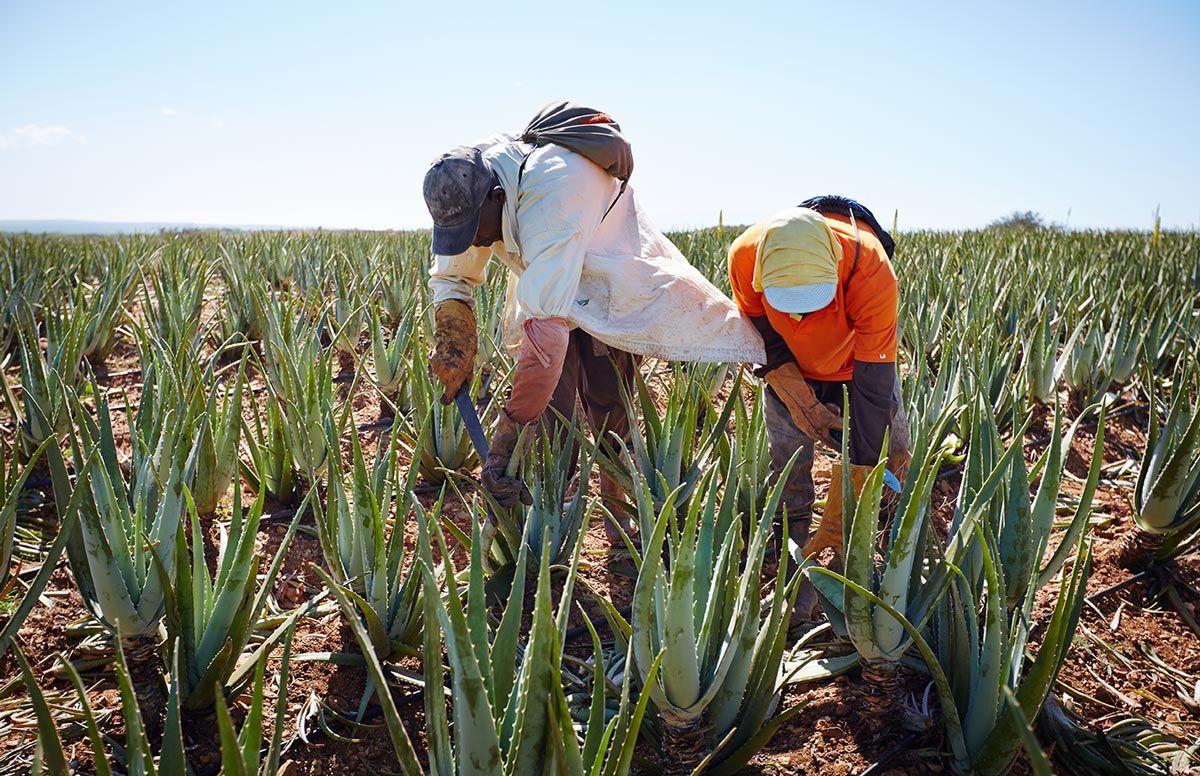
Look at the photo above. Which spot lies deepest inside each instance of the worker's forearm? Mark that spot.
(444, 289)
(455, 277)
(774, 344)
(872, 406)
(539, 366)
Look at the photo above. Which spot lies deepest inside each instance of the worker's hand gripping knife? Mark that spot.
(539, 365)
(822, 294)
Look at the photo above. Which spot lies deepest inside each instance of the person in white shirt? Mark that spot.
(593, 286)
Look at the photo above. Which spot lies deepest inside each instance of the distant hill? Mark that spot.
(64, 226)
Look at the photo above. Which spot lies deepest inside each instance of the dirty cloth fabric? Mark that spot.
(797, 248)
(870, 417)
(617, 277)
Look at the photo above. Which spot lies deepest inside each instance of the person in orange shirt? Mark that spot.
(818, 284)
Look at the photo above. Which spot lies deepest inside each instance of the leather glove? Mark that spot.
(539, 367)
(829, 529)
(454, 335)
(504, 487)
(816, 420)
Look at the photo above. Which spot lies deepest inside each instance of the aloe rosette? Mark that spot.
(718, 688)
(364, 554)
(128, 527)
(1167, 493)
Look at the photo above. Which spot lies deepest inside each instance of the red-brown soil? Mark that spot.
(1108, 671)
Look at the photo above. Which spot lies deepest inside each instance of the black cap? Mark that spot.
(455, 189)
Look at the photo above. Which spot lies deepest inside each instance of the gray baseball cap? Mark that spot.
(455, 188)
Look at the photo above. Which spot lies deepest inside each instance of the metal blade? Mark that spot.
(466, 408)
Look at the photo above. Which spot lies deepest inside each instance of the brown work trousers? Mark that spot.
(592, 379)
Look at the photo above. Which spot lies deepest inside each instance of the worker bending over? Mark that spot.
(817, 282)
(593, 284)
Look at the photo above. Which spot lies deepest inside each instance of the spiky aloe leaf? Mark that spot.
(95, 738)
(860, 564)
(595, 723)
(52, 755)
(538, 693)
(396, 730)
(218, 441)
(997, 752)
(10, 490)
(1077, 528)
(478, 744)
(437, 726)
(67, 501)
(1037, 758)
(1170, 468)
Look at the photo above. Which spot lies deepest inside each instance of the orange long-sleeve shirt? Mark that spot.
(858, 325)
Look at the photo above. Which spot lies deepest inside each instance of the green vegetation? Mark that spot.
(206, 404)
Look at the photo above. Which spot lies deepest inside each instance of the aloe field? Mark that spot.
(240, 534)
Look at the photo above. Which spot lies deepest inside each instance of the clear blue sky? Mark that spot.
(328, 113)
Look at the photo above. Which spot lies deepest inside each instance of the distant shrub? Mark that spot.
(1021, 220)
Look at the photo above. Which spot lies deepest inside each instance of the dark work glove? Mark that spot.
(504, 487)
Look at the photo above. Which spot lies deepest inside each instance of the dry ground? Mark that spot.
(1110, 669)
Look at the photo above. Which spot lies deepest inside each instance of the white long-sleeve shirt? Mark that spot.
(617, 277)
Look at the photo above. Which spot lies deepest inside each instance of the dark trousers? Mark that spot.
(867, 423)
(592, 376)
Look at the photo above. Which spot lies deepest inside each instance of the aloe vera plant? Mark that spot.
(677, 445)
(136, 757)
(241, 750)
(1043, 364)
(212, 618)
(391, 360)
(1128, 745)
(299, 374)
(105, 305)
(979, 653)
(908, 579)
(128, 527)
(1086, 364)
(220, 431)
(981, 660)
(1124, 347)
(173, 295)
(750, 455)
(436, 433)
(979, 648)
(490, 312)
(347, 314)
(268, 467)
(552, 522)
(510, 713)
(244, 290)
(913, 578)
(718, 689)
(1167, 494)
(365, 557)
(398, 295)
(48, 376)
